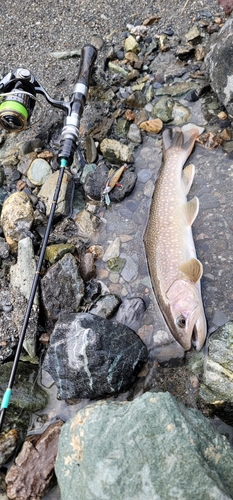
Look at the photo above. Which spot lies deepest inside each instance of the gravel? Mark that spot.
(31, 30)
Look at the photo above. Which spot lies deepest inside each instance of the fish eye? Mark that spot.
(181, 321)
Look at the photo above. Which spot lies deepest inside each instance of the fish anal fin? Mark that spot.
(191, 209)
(192, 269)
(187, 177)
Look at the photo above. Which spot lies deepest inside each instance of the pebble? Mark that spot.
(39, 171)
(152, 126)
(130, 270)
(131, 44)
(113, 250)
(134, 134)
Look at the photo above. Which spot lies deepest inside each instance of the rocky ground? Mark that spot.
(48, 41)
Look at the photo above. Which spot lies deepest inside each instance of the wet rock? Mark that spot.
(46, 193)
(141, 116)
(134, 134)
(55, 252)
(87, 223)
(62, 288)
(25, 162)
(87, 267)
(130, 270)
(113, 250)
(27, 394)
(136, 100)
(39, 171)
(116, 152)
(90, 357)
(163, 109)
(16, 218)
(176, 89)
(153, 429)
(91, 151)
(88, 168)
(217, 387)
(33, 469)
(165, 350)
(152, 126)
(116, 264)
(180, 114)
(21, 278)
(131, 312)
(66, 231)
(122, 127)
(219, 64)
(106, 306)
(8, 442)
(93, 291)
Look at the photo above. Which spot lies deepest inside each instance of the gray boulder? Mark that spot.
(151, 448)
(90, 356)
(219, 65)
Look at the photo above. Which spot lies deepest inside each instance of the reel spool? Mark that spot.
(18, 102)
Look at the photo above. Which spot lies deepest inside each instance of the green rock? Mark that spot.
(89, 167)
(55, 252)
(116, 152)
(39, 171)
(117, 69)
(122, 127)
(176, 89)
(150, 448)
(163, 109)
(116, 264)
(217, 386)
(180, 114)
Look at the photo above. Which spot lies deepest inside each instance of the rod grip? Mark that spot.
(87, 60)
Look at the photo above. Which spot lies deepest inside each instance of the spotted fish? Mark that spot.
(174, 268)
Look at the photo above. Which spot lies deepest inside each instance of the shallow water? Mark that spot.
(213, 238)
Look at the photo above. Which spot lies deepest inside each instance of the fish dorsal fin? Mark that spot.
(191, 209)
(192, 269)
(187, 177)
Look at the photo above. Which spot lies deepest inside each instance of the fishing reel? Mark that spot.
(18, 92)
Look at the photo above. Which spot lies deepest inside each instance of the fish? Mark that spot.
(174, 269)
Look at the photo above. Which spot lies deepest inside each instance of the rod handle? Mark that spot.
(87, 61)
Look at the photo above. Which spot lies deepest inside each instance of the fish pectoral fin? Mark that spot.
(191, 209)
(192, 269)
(187, 177)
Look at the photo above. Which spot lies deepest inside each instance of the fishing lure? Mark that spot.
(113, 178)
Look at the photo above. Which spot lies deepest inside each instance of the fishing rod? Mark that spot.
(18, 94)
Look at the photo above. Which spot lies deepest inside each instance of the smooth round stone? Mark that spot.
(39, 172)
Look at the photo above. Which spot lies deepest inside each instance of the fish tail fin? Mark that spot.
(179, 139)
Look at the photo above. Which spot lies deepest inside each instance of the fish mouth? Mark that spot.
(189, 330)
